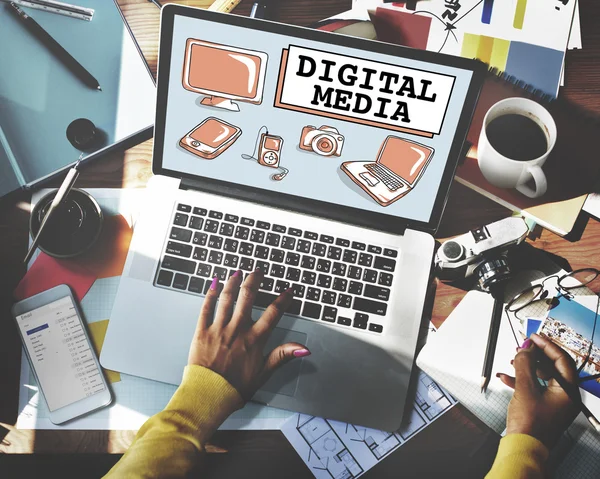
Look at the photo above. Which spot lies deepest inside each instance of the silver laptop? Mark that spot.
(257, 127)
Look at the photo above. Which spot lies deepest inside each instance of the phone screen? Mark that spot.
(60, 353)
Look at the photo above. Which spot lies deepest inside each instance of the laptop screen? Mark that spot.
(288, 113)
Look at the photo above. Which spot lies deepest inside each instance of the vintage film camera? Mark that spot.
(482, 252)
(325, 141)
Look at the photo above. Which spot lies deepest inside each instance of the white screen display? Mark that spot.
(60, 353)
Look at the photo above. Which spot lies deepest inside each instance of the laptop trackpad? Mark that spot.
(285, 379)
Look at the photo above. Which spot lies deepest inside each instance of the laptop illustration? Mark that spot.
(399, 166)
(359, 268)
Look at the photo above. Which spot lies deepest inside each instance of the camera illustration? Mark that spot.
(325, 141)
(481, 251)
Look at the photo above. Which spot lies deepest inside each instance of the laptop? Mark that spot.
(244, 179)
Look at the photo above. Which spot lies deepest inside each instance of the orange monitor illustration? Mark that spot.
(399, 166)
(224, 73)
(210, 138)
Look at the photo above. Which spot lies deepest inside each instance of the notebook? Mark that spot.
(40, 97)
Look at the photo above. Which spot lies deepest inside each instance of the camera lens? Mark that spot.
(452, 251)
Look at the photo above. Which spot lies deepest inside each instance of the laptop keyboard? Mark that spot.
(382, 173)
(334, 280)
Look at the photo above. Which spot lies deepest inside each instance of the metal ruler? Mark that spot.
(52, 6)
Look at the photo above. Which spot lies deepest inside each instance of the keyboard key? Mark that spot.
(298, 290)
(342, 242)
(281, 286)
(279, 229)
(181, 281)
(308, 277)
(200, 211)
(180, 219)
(359, 246)
(370, 275)
(303, 246)
(246, 249)
(247, 222)
(324, 281)
(360, 321)
(340, 284)
(344, 301)
(220, 273)
(349, 256)
(261, 252)
(200, 239)
(226, 229)
(200, 254)
(355, 288)
(370, 306)
(215, 257)
(334, 253)
(295, 307)
(216, 215)
(288, 243)
(308, 262)
(231, 261)
(263, 225)
(232, 218)
(257, 236)
(385, 279)
(293, 274)
(319, 249)
(310, 235)
(374, 249)
(384, 263)
(295, 232)
(292, 259)
(376, 328)
(277, 270)
(377, 292)
(344, 321)
(339, 269)
(323, 266)
(180, 234)
(241, 232)
(354, 272)
(392, 253)
(365, 259)
(211, 226)
(329, 314)
(179, 249)
(328, 297)
(247, 264)
(263, 300)
(277, 255)
(196, 222)
(165, 278)
(272, 239)
(184, 208)
(215, 242)
(196, 285)
(267, 283)
(326, 239)
(313, 294)
(204, 270)
(231, 245)
(311, 310)
(207, 286)
(179, 264)
(263, 266)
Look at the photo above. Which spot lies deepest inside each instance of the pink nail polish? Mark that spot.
(301, 353)
(526, 344)
(236, 274)
(215, 284)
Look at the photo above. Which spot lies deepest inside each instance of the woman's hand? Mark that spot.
(231, 344)
(544, 413)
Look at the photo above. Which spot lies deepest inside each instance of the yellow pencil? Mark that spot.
(225, 6)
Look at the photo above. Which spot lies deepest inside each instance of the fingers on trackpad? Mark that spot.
(285, 379)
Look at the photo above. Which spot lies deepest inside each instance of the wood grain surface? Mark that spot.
(457, 445)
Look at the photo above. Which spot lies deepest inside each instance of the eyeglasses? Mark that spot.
(535, 302)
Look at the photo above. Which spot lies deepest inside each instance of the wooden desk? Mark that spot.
(458, 442)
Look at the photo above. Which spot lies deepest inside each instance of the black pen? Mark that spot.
(490, 350)
(51, 44)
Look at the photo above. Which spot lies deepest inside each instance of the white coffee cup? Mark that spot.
(505, 172)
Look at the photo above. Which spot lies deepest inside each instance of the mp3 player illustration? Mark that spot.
(210, 138)
(269, 150)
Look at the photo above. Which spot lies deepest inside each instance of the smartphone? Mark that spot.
(60, 354)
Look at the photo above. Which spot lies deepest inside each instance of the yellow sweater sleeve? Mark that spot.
(519, 457)
(170, 443)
